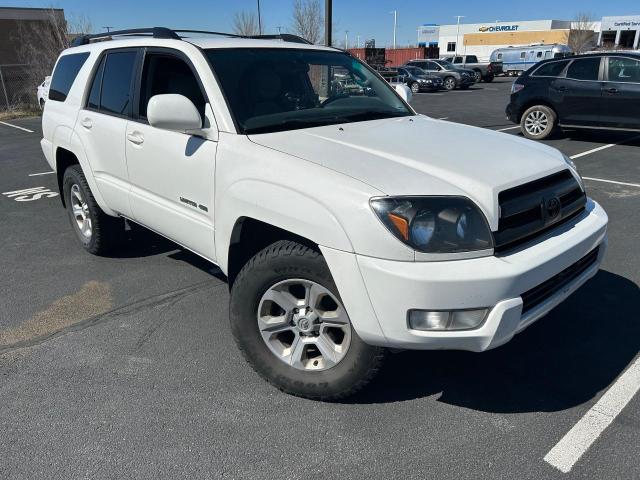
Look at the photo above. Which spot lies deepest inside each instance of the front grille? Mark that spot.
(529, 210)
(540, 293)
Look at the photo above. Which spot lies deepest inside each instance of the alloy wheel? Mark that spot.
(80, 210)
(536, 122)
(304, 324)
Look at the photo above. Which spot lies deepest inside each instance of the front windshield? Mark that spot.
(276, 89)
(416, 71)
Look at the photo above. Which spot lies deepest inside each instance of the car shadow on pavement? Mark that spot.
(601, 136)
(561, 361)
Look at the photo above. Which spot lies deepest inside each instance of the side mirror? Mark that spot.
(404, 92)
(173, 112)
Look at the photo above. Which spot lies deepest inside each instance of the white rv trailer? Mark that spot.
(516, 60)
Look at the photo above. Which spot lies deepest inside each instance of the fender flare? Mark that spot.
(279, 206)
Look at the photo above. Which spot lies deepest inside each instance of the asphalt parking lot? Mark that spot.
(124, 367)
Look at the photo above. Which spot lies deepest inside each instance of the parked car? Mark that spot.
(516, 60)
(43, 91)
(339, 234)
(484, 71)
(418, 80)
(452, 76)
(588, 91)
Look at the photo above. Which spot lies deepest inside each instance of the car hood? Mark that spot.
(419, 155)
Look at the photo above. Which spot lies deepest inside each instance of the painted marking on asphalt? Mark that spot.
(30, 194)
(589, 152)
(41, 173)
(16, 126)
(443, 118)
(578, 440)
(612, 181)
(604, 147)
(508, 128)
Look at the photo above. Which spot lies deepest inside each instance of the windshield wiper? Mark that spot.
(372, 115)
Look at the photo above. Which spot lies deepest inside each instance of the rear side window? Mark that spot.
(65, 73)
(552, 69)
(116, 82)
(584, 69)
(624, 70)
(94, 94)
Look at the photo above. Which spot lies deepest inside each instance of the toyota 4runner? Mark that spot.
(341, 235)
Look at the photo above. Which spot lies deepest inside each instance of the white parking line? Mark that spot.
(41, 173)
(612, 181)
(604, 147)
(578, 440)
(589, 152)
(443, 118)
(508, 128)
(16, 126)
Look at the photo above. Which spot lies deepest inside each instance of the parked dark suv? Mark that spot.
(452, 77)
(418, 80)
(600, 91)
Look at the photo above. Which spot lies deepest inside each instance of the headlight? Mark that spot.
(574, 171)
(435, 224)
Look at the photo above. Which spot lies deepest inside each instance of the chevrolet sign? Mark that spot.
(500, 28)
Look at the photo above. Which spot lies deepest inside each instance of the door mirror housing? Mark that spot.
(404, 92)
(174, 112)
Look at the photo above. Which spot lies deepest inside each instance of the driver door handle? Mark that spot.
(135, 137)
(612, 90)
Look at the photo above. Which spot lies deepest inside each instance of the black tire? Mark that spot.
(415, 87)
(546, 118)
(489, 77)
(478, 75)
(285, 260)
(106, 232)
(449, 83)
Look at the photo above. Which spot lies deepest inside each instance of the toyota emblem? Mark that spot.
(553, 207)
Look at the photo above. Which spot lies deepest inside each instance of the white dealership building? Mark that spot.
(481, 39)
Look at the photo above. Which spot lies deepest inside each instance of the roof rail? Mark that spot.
(285, 37)
(155, 32)
(167, 33)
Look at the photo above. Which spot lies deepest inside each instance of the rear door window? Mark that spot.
(472, 59)
(552, 69)
(625, 70)
(116, 82)
(64, 75)
(584, 69)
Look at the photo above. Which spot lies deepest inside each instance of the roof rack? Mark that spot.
(167, 33)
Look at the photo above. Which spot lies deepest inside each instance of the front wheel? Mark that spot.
(290, 324)
(538, 122)
(449, 83)
(478, 75)
(415, 88)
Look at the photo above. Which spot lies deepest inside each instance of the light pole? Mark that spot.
(395, 26)
(358, 40)
(108, 29)
(328, 22)
(279, 27)
(458, 33)
(259, 20)
(346, 39)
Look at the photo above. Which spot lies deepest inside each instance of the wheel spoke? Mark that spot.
(271, 325)
(283, 299)
(326, 348)
(297, 351)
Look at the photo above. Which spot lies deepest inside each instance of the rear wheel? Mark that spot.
(489, 77)
(98, 232)
(538, 122)
(478, 75)
(449, 83)
(289, 322)
(415, 88)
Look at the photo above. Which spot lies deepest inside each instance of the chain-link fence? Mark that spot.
(17, 87)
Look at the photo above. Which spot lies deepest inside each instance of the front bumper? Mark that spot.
(510, 113)
(379, 293)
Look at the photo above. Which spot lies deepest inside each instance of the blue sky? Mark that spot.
(369, 19)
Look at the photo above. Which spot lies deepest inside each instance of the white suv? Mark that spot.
(345, 222)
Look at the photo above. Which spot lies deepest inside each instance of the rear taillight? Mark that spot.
(516, 87)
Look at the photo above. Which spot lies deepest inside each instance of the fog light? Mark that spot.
(446, 320)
